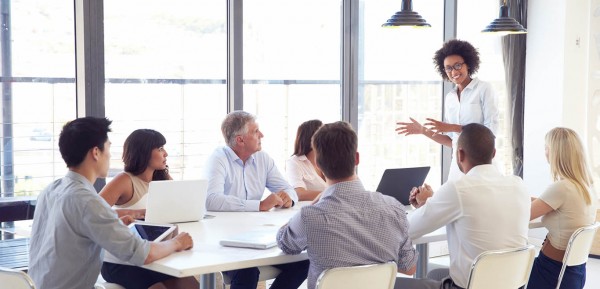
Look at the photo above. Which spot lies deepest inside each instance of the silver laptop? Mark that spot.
(398, 182)
(176, 201)
(259, 239)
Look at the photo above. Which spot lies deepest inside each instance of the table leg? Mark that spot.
(208, 281)
(423, 250)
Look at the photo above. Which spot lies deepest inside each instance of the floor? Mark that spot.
(592, 276)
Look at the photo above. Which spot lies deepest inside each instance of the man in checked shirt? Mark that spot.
(348, 225)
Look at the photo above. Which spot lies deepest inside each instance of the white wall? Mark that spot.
(593, 137)
(556, 79)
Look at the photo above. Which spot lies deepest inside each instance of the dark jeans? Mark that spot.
(545, 271)
(131, 277)
(291, 277)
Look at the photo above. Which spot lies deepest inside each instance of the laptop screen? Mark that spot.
(398, 182)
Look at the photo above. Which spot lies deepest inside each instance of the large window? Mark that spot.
(398, 81)
(166, 65)
(38, 91)
(291, 67)
(473, 16)
(166, 69)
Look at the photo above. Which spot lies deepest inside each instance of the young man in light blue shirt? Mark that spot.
(72, 223)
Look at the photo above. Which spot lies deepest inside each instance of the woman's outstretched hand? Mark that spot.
(408, 128)
(439, 126)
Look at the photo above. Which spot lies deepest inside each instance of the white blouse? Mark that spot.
(301, 174)
(478, 104)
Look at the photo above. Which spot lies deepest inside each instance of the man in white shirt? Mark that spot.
(239, 172)
(483, 210)
(238, 175)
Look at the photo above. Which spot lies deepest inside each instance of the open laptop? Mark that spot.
(398, 182)
(259, 239)
(176, 201)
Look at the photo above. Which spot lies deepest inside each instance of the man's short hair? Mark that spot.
(335, 145)
(478, 143)
(80, 135)
(234, 124)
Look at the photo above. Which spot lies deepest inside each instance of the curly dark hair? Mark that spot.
(457, 47)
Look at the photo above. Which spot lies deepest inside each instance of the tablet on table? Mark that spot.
(151, 232)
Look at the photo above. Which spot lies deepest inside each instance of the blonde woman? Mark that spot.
(566, 205)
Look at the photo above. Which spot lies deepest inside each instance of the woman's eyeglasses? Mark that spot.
(456, 66)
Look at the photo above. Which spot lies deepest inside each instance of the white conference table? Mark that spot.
(208, 257)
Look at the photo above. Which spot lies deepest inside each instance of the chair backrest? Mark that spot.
(15, 279)
(502, 269)
(578, 248)
(376, 276)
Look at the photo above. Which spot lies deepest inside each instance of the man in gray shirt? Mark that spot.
(349, 225)
(72, 224)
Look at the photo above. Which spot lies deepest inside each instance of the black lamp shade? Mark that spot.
(406, 17)
(505, 24)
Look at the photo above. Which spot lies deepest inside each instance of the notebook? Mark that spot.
(398, 182)
(176, 201)
(262, 239)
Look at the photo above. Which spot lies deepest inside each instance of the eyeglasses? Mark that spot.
(456, 66)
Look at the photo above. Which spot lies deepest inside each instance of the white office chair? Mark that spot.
(266, 273)
(578, 248)
(502, 269)
(15, 279)
(376, 276)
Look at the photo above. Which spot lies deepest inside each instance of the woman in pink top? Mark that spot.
(301, 169)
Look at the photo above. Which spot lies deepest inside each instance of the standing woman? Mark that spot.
(471, 100)
(145, 160)
(301, 169)
(566, 205)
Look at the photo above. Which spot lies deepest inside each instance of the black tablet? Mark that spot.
(151, 232)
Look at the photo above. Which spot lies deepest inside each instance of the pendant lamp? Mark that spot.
(504, 24)
(406, 18)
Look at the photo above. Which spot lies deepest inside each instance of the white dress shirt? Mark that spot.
(484, 210)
